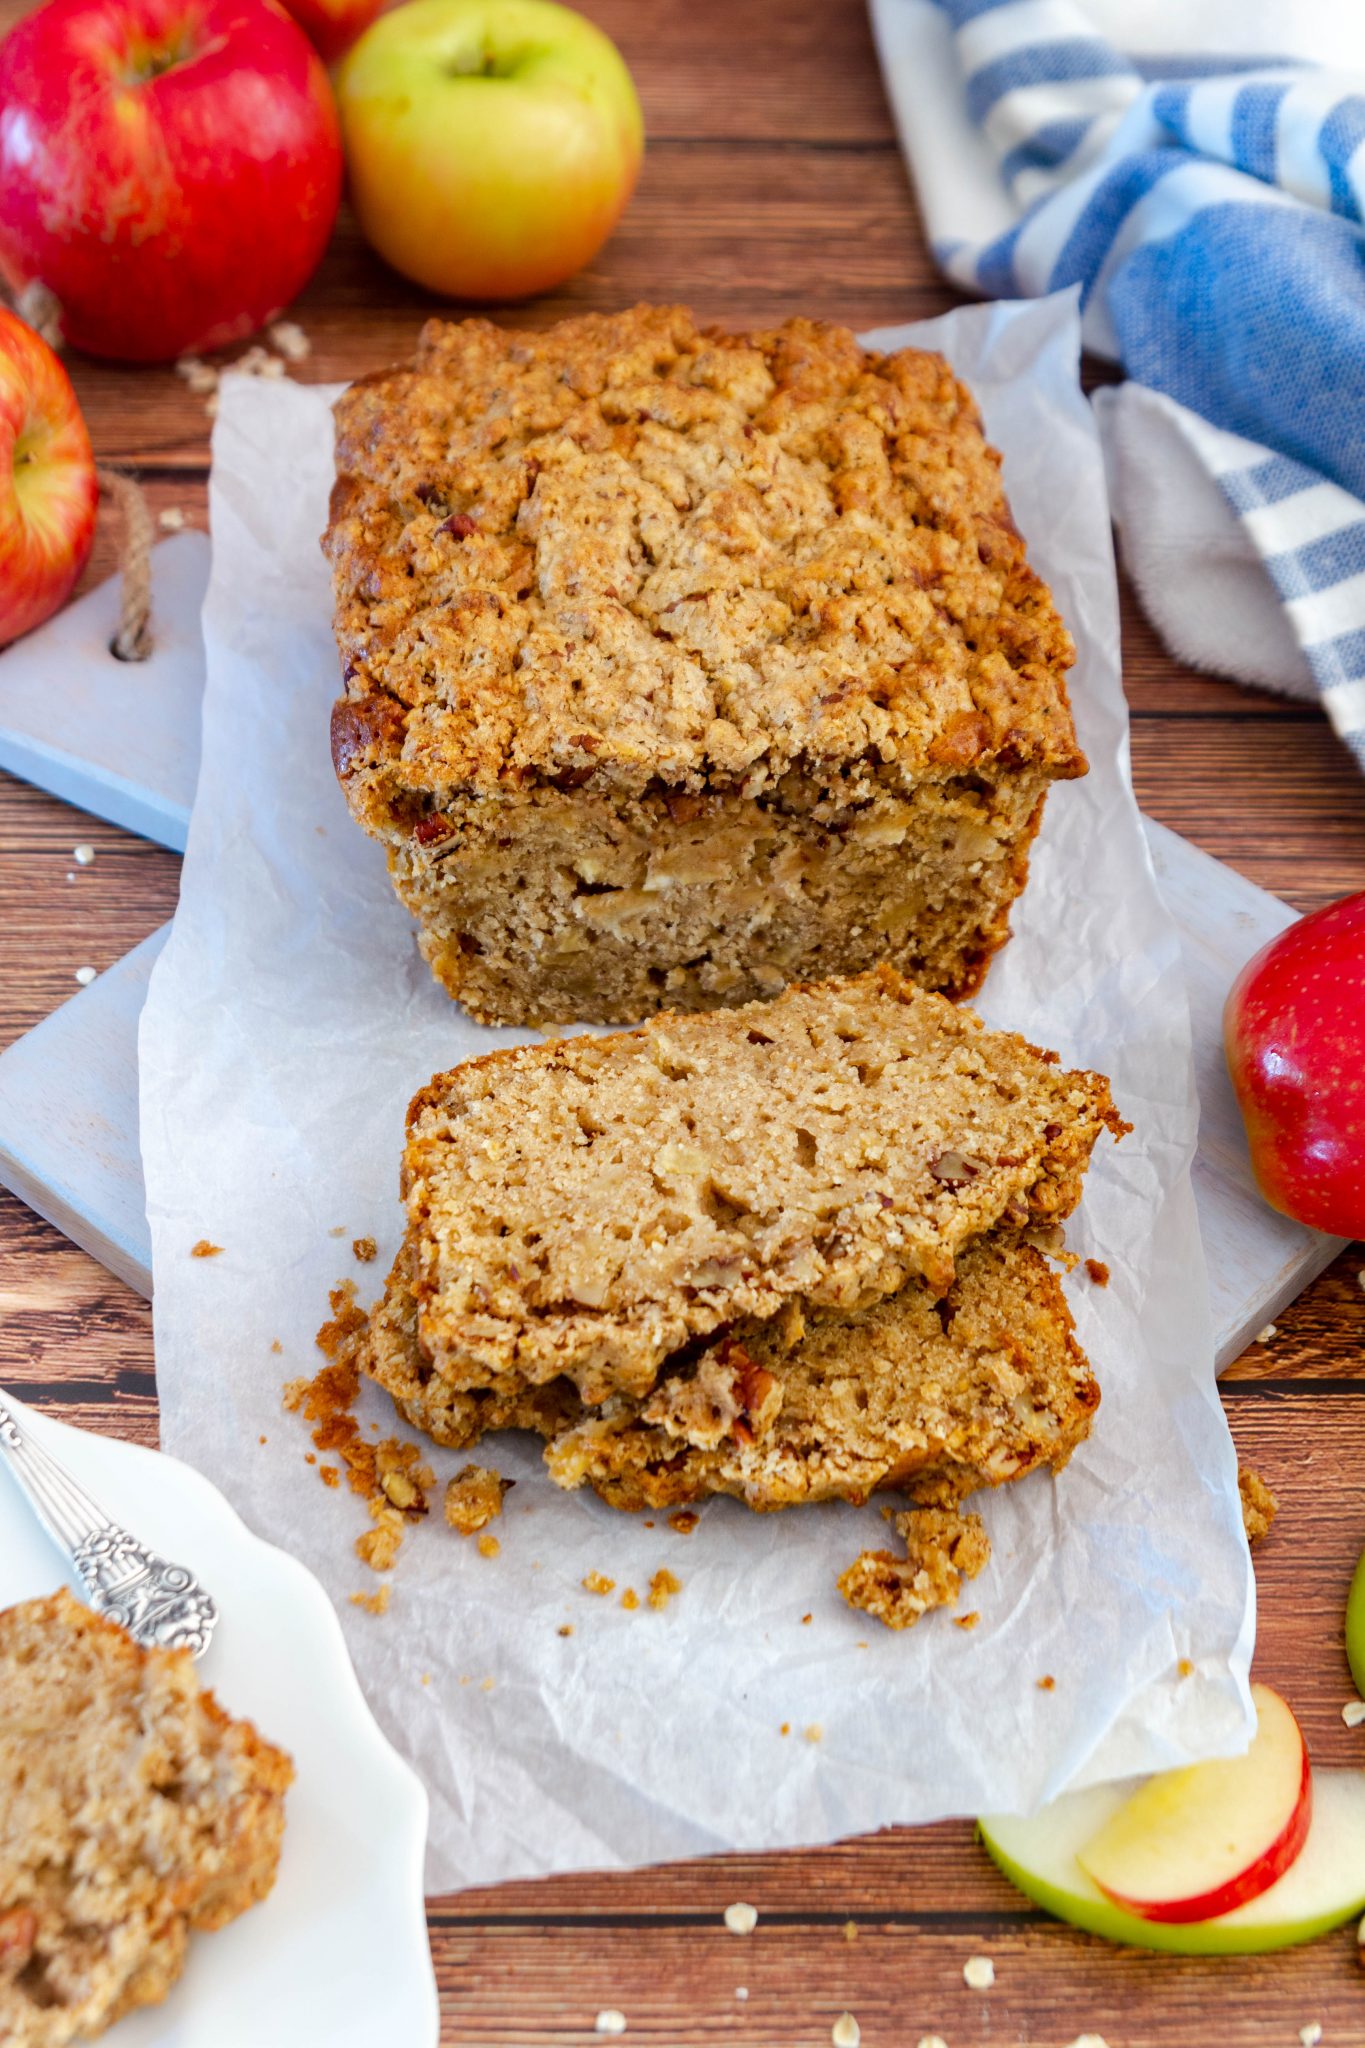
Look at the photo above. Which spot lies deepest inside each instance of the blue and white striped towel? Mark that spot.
(1209, 207)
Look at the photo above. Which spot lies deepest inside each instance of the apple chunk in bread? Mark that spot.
(1192, 1844)
(1323, 1887)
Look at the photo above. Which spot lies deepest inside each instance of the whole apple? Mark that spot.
(491, 144)
(1294, 1031)
(170, 171)
(48, 492)
(331, 26)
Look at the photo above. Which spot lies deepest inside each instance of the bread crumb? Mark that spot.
(291, 341)
(610, 2022)
(1098, 1272)
(978, 1973)
(785, 1729)
(1185, 1668)
(373, 1603)
(942, 1548)
(489, 1546)
(845, 2033)
(684, 1521)
(662, 1587)
(474, 1497)
(276, 1346)
(83, 854)
(630, 1599)
(806, 1620)
(264, 1439)
(204, 1250)
(566, 1628)
(170, 519)
(850, 1930)
(966, 1620)
(199, 375)
(1047, 1683)
(310, 1458)
(931, 2041)
(364, 1249)
(813, 1732)
(85, 975)
(1259, 1505)
(741, 1918)
(1263, 1336)
(487, 1684)
(741, 1992)
(1353, 1713)
(330, 1475)
(599, 1583)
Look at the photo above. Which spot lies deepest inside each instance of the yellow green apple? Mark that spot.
(491, 144)
(1323, 1887)
(1355, 1627)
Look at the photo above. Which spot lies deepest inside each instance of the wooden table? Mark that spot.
(773, 184)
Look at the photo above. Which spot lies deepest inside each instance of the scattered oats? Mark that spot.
(85, 975)
(291, 341)
(373, 1603)
(850, 1930)
(83, 854)
(199, 375)
(1353, 1713)
(931, 2041)
(814, 1732)
(170, 518)
(364, 1248)
(845, 2033)
(1264, 1336)
(489, 1546)
(610, 2022)
(258, 362)
(741, 1992)
(741, 1919)
(978, 1973)
(1089, 2041)
(599, 1583)
(204, 1250)
(662, 1587)
(1311, 2034)
(630, 1599)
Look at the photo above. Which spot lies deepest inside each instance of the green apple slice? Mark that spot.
(1323, 1887)
(1355, 1628)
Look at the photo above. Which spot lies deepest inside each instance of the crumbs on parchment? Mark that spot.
(1098, 1272)
(376, 1602)
(204, 1249)
(662, 1587)
(474, 1497)
(364, 1248)
(599, 1583)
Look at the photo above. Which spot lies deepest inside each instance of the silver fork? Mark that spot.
(162, 1605)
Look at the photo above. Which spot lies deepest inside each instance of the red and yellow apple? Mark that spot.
(1195, 1844)
(1294, 1032)
(1323, 1887)
(491, 144)
(331, 26)
(48, 492)
(170, 171)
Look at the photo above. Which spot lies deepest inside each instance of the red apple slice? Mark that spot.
(1192, 1844)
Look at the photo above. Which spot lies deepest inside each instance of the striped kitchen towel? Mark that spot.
(1208, 206)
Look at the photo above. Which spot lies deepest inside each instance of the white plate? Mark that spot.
(338, 1953)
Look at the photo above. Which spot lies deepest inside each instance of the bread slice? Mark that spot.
(132, 1810)
(937, 1397)
(588, 1207)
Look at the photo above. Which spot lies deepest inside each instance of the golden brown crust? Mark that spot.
(627, 550)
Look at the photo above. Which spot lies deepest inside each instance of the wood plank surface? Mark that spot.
(772, 185)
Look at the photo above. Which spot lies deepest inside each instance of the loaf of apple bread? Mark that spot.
(679, 666)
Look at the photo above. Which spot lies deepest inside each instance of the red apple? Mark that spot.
(1294, 1031)
(1194, 1844)
(491, 149)
(48, 493)
(331, 26)
(170, 169)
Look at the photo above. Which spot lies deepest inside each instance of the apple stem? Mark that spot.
(133, 639)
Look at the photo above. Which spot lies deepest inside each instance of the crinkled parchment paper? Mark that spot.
(290, 1019)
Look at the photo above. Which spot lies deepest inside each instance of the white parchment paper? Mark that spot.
(290, 1019)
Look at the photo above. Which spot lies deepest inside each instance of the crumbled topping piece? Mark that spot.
(291, 341)
(931, 2041)
(204, 1250)
(83, 854)
(1259, 1505)
(1098, 1272)
(566, 1628)
(474, 1498)
(942, 1548)
(684, 1521)
(373, 1603)
(850, 1930)
(364, 1249)
(1047, 1683)
(662, 1587)
(1264, 1336)
(630, 1599)
(599, 1583)
(610, 2021)
(1089, 2041)
(200, 376)
(966, 1621)
(489, 1546)
(170, 519)
(813, 1732)
(1311, 2034)
(845, 2033)
(978, 1973)
(741, 1918)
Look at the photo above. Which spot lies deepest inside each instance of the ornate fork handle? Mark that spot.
(162, 1605)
